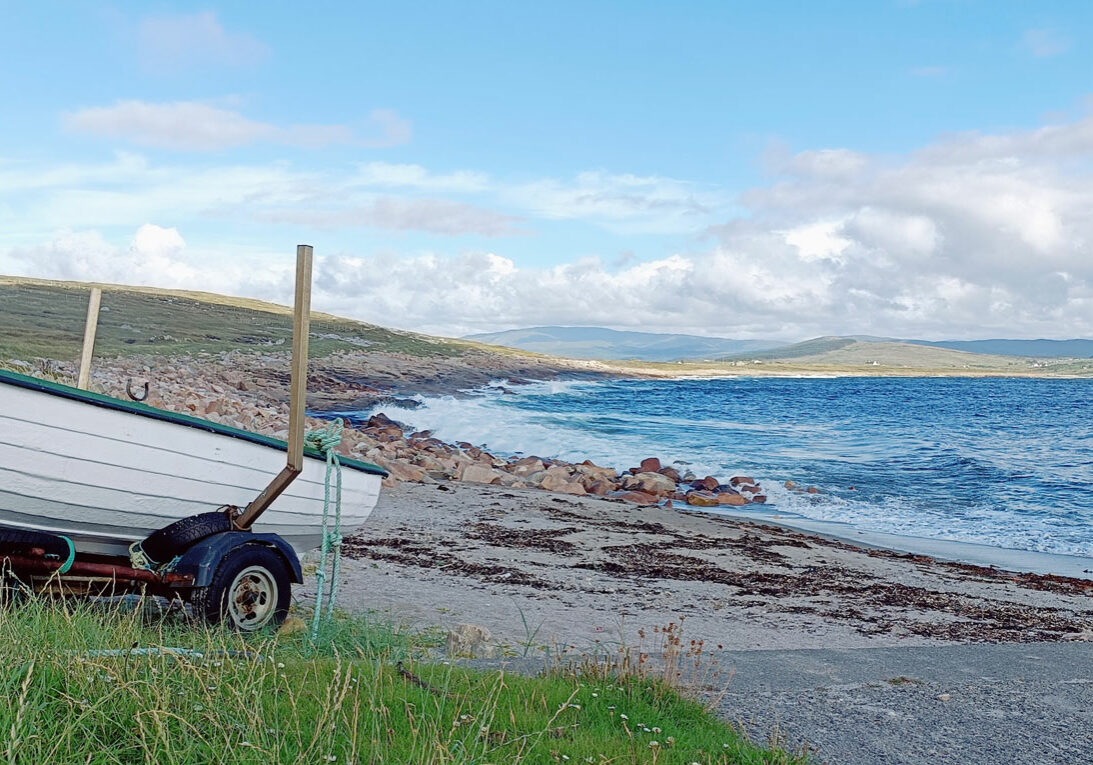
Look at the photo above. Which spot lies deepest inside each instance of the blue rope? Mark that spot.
(325, 440)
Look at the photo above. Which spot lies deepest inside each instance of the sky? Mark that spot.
(740, 169)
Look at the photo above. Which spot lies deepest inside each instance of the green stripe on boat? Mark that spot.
(143, 410)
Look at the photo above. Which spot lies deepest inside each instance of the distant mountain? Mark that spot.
(601, 343)
(1043, 349)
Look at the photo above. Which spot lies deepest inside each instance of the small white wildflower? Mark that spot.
(280, 665)
(654, 744)
(575, 706)
(595, 695)
(656, 730)
(331, 757)
(623, 716)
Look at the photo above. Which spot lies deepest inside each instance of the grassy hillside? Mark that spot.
(602, 343)
(43, 318)
(46, 318)
(808, 348)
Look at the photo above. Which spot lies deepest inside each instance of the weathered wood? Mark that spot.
(301, 329)
(90, 327)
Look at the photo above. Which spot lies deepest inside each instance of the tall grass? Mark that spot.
(80, 683)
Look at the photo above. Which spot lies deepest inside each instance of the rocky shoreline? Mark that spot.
(248, 391)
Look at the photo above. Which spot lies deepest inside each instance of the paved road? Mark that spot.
(968, 704)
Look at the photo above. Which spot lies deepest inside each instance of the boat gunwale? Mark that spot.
(143, 410)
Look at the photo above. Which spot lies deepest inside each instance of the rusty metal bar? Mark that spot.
(85, 568)
(301, 328)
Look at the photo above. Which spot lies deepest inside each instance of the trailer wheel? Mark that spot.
(250, 589)
(164, 544)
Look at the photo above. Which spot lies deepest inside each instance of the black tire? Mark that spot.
(175, 538)
(251, 589)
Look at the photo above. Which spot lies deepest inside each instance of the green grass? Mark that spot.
(349, 700)
(46, 319)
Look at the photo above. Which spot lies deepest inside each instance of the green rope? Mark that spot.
(325, 440)
(71, 556)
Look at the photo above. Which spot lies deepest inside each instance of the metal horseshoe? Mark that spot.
(129, 390)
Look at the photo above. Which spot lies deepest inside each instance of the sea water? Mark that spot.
(1000, 462)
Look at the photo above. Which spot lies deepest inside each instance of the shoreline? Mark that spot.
(1015, 560)
(212, 389)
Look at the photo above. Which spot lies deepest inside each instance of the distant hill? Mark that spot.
(872, 351)
(1042, 349)
(601, 343)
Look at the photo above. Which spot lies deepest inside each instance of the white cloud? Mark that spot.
(417, 177)
(624, 203)
(436, 216)
(1044, 43)
(171, 43)
(195, 126)
(973, 235)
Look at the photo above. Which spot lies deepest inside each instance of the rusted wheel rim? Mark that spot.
(252, 598)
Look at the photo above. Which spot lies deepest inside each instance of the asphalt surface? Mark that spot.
(969, 704)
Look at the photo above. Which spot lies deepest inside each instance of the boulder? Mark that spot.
(650, 483)
(470, 641)
(380, 421)
(790, 485)
(759, 499)
(401, 470)
(670, 473)
(598, 488)
(709, 483)
(561, 484)
(702, 499)
(748, 489)
(637, 497)
(650, 465)
(477, 473)
(731, 499)
(737, 480)
(813, 490)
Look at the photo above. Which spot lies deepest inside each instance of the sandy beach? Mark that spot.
(539, 569)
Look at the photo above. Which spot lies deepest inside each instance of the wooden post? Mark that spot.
(89, 329)
(297, 412)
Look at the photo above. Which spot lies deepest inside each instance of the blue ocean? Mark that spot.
(1001, 462)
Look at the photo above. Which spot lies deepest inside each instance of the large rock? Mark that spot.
(401, 470)
(702, 499)
(727, 498)
(527, 466)
(470, 641)
(650, 483)
(759, 499)
(709, 483)
(598, 488)
(478, 473)
(670, 473)
(637, 497)
(738, 480)
(556, 482)
(650, 465)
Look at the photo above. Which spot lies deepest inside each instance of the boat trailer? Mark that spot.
(214, 561)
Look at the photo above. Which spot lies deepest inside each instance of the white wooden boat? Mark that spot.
(106, 472)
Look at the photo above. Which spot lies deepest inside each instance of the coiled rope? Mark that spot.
(325, 440)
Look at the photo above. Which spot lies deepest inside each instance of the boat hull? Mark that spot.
(106, 473)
